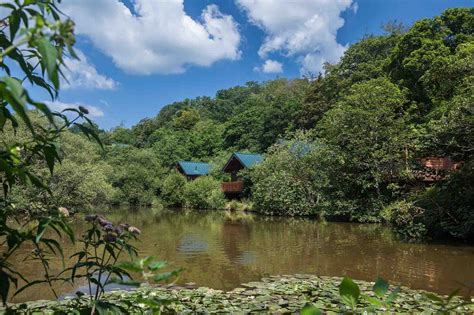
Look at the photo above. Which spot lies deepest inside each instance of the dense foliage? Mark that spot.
(364, 124)
(34, 39)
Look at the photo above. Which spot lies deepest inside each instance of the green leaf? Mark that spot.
(130, 266)
(36, 181)
(50, 156)
(380, 287)
(14, 23)
(453, 294)
(349, 291)
(374, 301)
(49, 56)
(26, 286)
(433, 297)
(166, 275)
(157, 265)
(45, 110)
(106, 308)
(43, 224)
(393, 295)
(15, 95)
(90, 133)
(310, 309)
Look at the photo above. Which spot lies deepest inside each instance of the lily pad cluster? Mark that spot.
(274, 294)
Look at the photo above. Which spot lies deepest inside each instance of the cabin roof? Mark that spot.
(247, 160)
(194, 168)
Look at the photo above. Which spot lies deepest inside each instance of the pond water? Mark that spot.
(222, 250)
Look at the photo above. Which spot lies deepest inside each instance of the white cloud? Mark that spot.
(94, 111)
(81, 74)
(303, 29)
(270, 66)
(158, 36)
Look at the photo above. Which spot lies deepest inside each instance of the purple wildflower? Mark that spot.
(118, 230)
(108, 228)
(110, 237)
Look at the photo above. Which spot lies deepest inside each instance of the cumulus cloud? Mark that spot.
(81, 74)
(94, 111)
(270, 66)
(303, 29)
(156, 36)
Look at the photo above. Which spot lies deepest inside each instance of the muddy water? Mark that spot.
(222, 250)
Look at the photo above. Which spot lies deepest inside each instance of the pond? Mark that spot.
(222, 250)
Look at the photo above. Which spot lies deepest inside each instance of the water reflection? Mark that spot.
(222, 250)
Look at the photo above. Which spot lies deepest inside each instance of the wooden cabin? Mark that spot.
(192, 170)
(237, 162)
(436, 167)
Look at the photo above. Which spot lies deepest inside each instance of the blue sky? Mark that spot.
(135, 57)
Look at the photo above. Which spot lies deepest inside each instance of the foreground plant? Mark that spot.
(34, 39)
(104, 245)
(382, 298)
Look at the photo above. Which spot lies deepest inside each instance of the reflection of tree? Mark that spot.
(235, 235)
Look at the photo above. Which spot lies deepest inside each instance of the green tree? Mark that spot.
(367, 132)
(136, 175)
(172, 189)
(291, 181)
(203, 193)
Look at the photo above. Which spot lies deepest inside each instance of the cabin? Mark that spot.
(436, 167)
(192, 170)
(237, 162)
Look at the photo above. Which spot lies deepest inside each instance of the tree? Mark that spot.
(203, 193)
(137, 174)
(172, 189)
(291, 181)
(367, 131)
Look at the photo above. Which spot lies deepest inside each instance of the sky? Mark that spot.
(137, 56)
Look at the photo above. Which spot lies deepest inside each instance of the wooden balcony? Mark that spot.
(234, 187)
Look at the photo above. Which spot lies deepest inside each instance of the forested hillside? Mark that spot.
(367, 121)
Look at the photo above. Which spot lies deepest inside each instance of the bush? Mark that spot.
(203, 193)
(172, 189)
(289, 182)
(80, 182)
(137, 174)
(406, 220)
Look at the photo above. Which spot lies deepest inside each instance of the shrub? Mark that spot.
(289, 182)
(172, 189)
(406, 220)
(137, 174)
(203, 193)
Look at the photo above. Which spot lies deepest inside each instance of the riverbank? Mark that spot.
(275, 294)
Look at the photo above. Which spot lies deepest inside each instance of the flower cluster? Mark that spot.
(112, 232)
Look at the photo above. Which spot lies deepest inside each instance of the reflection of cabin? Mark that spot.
(192, 170)
(435, 167)
(237, 162)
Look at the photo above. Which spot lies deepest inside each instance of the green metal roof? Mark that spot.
(248, 159)
(194, 168)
